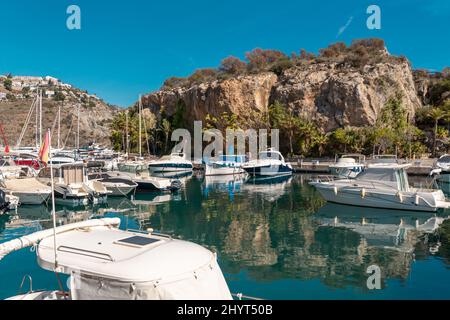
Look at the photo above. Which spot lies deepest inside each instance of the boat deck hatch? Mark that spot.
(137, 241)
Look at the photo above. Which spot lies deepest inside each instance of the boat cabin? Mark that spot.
(391, 175)
(73, 173)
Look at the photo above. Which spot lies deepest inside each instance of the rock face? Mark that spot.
(237, 95)
(326, 93)
(334, 97)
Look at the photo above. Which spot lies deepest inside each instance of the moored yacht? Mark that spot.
(72, 185)
(225, 165)
(118, 184)
(138, 172)
(347, 166)
(269, 163)
(28, 190)
(106, 263)
(381, 185)
(171, 163)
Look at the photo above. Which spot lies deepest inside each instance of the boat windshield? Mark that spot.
(393, 177)
(444, 159)
(232, 158)
(269, 155)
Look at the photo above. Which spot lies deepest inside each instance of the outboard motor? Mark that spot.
(175, 185)
(4, 205)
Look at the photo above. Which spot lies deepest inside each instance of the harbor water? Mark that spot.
(275, 239)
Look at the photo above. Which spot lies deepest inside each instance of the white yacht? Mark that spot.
(106, 263)
(443, 163)
(347, 166)
(118, 184)
(138, 172)
(269, 163)
(72, 185)
(381, 185)
(225, 165)
(175, 162)
(28, 190)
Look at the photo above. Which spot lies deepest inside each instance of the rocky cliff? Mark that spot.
(325, 92)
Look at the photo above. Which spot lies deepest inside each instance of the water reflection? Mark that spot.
(273, 230)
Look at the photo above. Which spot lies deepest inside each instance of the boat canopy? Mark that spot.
(271, 154)
(392, 175)
(108, 263)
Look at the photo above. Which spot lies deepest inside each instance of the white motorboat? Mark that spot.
(381, 185)
(106, 263)
(138, 172)
(225, 165)
(72, 185)
(347, 166)
(28, 190)
(269, 163)
(175, 162)
(117, 184)
(443, 163)
(442, 169)
(61, 159)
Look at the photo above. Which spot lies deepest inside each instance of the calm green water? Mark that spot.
(275, 240)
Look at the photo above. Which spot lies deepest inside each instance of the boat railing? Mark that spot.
(84, 252)
(30, 286)
(323, 178)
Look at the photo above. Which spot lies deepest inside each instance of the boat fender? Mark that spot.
(335, 190)
(417, 199)
(363, 222)
(400, 197)
(336, 220)
(363, 193)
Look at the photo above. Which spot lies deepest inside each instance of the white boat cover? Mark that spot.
(107, 263)
(34, 238)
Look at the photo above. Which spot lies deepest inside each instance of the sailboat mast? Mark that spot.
(59, 124)
(40, 118)
(140, 127)
(52, 183)
(78, 129)
(126, 132)
(36, 106)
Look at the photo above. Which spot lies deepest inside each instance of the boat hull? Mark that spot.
(213, 170)
(31, 197)
(179, 167)
(372, 199)
(118, 190)
(269, 170)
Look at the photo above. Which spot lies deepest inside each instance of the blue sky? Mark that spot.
(125, 48)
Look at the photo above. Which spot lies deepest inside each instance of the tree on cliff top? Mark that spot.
(232, 65)
(260, 59)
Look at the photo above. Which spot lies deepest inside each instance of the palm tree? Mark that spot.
(436, 114)
(166, 128)
(321, 140)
